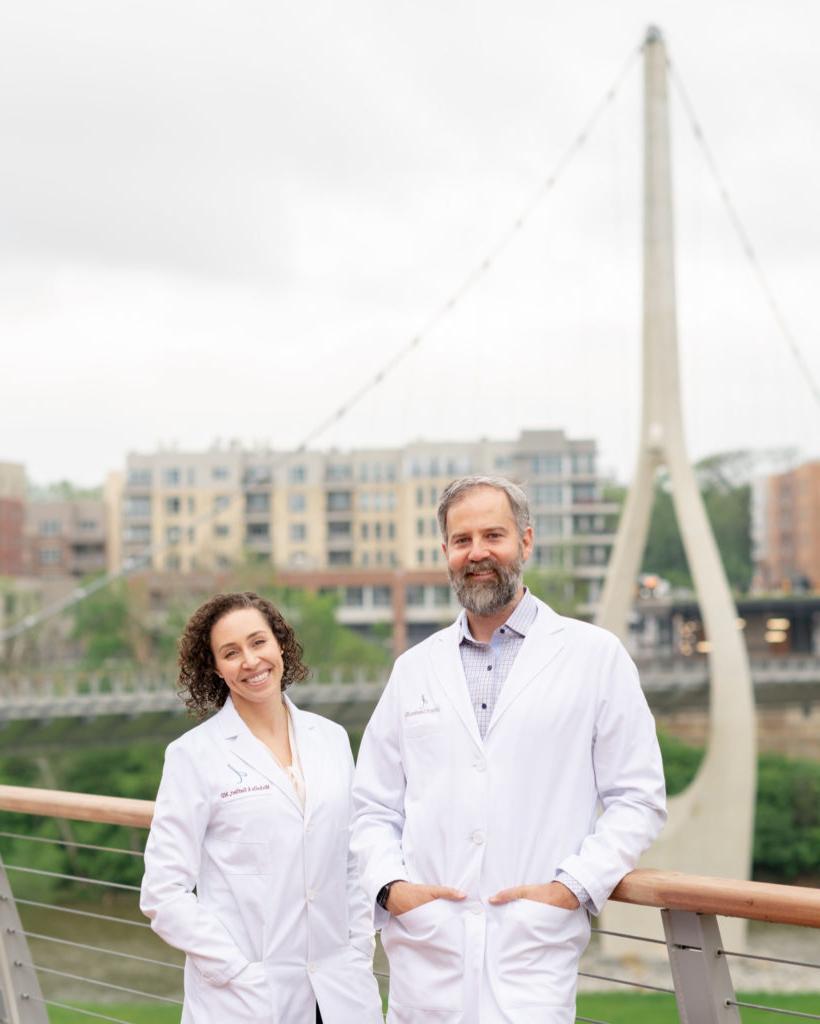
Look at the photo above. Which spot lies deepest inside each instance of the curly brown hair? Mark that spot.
(199, 685)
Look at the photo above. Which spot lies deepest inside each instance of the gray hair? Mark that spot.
(456, 490)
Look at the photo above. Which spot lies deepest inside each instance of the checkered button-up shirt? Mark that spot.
(486, 666)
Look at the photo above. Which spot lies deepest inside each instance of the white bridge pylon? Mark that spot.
(710, 826)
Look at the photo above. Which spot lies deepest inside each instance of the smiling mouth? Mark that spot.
(260, 677)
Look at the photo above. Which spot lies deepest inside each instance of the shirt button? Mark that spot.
(476, 908)
(308, 827)
(480, 766)
(477, 837)
(312, 968)
(311, 895)
(489, 668)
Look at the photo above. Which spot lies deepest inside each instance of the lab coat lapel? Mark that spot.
(312, 755)
(544, 640)
(450, 674)
(244, 746)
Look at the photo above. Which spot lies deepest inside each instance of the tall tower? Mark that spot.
(710, 825)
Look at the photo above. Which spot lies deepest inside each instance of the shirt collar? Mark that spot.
(519, 621)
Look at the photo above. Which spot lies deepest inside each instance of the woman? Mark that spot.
(247, 866)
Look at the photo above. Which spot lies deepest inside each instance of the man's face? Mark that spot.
(485, 554)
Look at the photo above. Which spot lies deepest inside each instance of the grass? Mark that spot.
(612, 1007)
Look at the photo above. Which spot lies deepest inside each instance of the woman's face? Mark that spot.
(248, 656)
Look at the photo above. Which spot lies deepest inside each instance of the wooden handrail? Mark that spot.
(728, 897)
(673, 890)
(55, 803)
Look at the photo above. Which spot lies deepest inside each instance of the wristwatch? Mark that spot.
(384, 893)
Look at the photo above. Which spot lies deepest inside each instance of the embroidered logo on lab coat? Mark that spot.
(424, 708)
(240, 789)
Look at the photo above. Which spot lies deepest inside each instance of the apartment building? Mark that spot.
(786, 530)
(12, 517)
(371, 509)
(65, 538)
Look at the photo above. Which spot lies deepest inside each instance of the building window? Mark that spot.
(414, 595)
(257, 531)
(221, 501)
(221, 530)
(172, 477)
(419, 496)
(583, 494)
(255, 503)
(297, 502)
(49, 527)
(377, 531)
(339, 528)
(441, 595)
(339, 501)
(190, 476)
(364, 501)
(353, 597)
(139, 478)
(548, 555)
(220, 473)
(257, 475)
(137, 507)
(434, 495)
(548, 494)
(434, 556)
(364, 531)
(545, 465)
(297, 474)
(549, 526)
(87, 525)
(191, 506)
(420, 556)
(173, 534)
(391, 530)
(340, 558)
(381, 597)
(583, 465)
(338, 471)
(49, 556)
(137, 534)
(173, 506)
(297, 532)
(419, 527)
(172, 563)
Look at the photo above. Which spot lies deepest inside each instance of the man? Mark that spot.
(481, 775)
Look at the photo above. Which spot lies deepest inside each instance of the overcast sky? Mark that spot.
(216, 218)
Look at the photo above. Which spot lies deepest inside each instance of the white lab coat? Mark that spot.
(433, 803)
(278, 920)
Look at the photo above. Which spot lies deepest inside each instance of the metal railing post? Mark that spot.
(21, 1000)
(703, 984)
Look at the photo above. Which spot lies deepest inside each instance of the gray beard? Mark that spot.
(490, 596)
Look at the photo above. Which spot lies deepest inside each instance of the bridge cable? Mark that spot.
(743, 236)
(468, 282)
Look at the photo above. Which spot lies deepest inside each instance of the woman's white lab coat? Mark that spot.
(263, 898)
(437, 804)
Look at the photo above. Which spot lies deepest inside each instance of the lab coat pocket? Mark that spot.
(233, 858)
(425, 943)
(247, 997)
(536, 947)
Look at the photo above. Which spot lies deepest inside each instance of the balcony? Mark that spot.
(124, 970)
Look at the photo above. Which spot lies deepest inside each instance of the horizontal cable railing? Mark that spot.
(681, 898)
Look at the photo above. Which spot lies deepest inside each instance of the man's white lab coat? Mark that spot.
(278, 917)
(435, 804)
